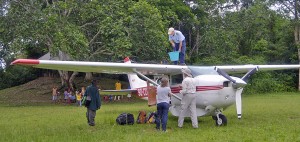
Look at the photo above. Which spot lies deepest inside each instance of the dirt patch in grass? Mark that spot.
(36, 91)
(39, 91)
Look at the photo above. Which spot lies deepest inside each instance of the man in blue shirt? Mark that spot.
(177, 40)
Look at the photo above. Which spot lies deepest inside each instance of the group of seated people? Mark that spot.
(70, 97)
(110, 98)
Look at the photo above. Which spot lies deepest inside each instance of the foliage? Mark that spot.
(218, 32)
(146, 32)
(263, 82)
(16, 75)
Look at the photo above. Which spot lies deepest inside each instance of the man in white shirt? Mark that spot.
(188, 102)
(177, 41)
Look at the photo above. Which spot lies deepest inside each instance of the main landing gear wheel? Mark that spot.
(220, 120)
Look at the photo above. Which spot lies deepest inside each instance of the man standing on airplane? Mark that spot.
(188, 102)
(177, 40)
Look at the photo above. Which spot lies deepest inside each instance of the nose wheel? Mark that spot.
(220, 119)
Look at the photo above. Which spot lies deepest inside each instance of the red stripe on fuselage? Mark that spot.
(143, 92)
(25, 62)
(207, 88)
(198, 88)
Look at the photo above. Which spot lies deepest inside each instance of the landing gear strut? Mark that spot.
(220, 119)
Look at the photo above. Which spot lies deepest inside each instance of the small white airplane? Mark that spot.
(216, 90)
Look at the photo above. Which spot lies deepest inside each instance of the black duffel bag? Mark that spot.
(125, 118)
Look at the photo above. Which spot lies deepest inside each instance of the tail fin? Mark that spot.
(134, 80)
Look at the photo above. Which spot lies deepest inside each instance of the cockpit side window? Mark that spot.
(176, 79)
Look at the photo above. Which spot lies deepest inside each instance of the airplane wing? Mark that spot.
(246, 68)
(101, 67)
(148, 69)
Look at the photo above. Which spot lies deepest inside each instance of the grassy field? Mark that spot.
(269, 117)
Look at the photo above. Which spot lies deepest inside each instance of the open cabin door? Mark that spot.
(151, 94)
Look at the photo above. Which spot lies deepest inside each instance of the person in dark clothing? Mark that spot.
(92, 94)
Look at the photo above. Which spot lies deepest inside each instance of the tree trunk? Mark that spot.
(195, 44)
(71, 80)
(299, 70)
(88, 76)
(297, 36)
(64, 75)
(297, 42)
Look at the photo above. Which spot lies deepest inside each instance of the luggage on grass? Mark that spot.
(125, 118)
(151, 117)
(141, 119)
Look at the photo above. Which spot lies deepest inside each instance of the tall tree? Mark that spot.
(291, 9)
(47, 26)
(146, 32)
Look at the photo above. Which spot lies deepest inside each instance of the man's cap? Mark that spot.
(170, 30)
(187, 72)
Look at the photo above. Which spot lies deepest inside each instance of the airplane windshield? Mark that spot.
(202, 70)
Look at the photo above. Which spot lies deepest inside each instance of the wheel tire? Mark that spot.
(224, 119)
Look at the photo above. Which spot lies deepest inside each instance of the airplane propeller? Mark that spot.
(238, 84)
(224, 74)
(248, 74)
(238, 93)
(238, 102)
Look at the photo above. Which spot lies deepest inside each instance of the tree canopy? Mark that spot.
(218, 32)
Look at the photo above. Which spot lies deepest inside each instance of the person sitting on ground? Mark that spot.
(66, 95)
(110, 98)
(69, 96)
(72, 98)
(129, 96)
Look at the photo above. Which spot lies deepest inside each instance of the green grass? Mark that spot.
(270, 117)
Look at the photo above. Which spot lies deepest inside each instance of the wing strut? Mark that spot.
(153, 82)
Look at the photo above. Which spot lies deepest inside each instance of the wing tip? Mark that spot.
(25, 62)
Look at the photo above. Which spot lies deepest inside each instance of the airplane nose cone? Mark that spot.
(239, 83)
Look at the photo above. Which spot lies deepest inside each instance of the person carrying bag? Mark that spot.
(92, 101)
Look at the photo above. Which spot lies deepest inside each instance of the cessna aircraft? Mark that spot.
(215, 89)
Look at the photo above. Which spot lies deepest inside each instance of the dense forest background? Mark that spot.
(218, 32)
